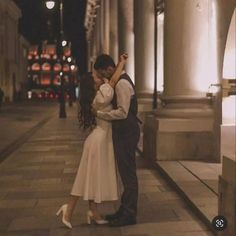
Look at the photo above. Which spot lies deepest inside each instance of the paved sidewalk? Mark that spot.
(197, 182)
(17, 120)
(37, 177)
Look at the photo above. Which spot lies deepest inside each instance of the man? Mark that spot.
(125, 134)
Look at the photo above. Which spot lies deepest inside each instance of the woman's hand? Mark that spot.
(116, 75)
(124, 57)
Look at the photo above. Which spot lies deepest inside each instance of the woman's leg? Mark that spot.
(93, 207)
(71, 206)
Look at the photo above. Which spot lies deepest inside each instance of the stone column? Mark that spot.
(144, 47)
(106, 18)
(126, 33)
(186, 43)
(100, 28)
(104, 24)
(113, 45)
(183, 127)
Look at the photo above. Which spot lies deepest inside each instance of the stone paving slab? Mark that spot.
(19, 119)
(207, 172)
(201, 196)
(37, 178)
(165, 227)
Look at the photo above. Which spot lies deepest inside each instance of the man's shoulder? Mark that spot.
(123, 80)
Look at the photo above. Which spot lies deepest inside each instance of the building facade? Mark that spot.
(177, 52)
(46, 68)
(13, 51)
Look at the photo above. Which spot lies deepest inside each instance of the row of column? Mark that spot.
(193, 42)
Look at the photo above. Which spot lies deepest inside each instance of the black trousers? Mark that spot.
(124, 148)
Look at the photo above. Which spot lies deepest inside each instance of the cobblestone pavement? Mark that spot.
(37, 177)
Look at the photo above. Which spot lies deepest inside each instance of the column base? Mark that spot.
(228, 140)
(178, 132)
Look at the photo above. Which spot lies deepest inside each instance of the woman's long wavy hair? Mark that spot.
(87, 93)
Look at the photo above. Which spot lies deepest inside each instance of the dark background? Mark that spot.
(38, 24)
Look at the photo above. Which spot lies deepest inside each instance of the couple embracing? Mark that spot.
(108, 105)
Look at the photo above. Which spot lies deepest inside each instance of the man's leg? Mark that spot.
(124, 148)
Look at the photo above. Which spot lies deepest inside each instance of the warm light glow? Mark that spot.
(61, 73)
(69, 59)
(45, 80)
(36, 67)
(67, 51)
(229, 67)
(72, 67)
(66, 67)
(46, 67)
(229, 110)
(206, 65)
(29, 94)
(50, 4)
(160, 58)
(57, 67)
(63, 43)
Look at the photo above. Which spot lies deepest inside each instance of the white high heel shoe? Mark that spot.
(90, 218)
(63, 211)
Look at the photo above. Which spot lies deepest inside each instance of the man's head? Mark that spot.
(104, 66)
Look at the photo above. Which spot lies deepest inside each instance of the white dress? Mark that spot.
(96, 178)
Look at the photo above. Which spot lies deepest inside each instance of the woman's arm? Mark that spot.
(116, 75)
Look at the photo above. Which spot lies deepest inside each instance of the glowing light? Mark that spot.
(206, 65)
(29, 94)
(50, 4)
(229, 66)
(228, 110)
(61, 73)
(72, 67)
(63, 43)
(69, 59)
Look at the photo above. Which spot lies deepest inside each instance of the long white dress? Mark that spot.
(96, 178)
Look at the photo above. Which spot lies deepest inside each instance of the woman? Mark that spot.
(96, 179)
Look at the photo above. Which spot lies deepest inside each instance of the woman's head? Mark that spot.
(87, 94)
(104, 66)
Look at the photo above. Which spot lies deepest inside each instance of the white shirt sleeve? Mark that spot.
(124, 92)
(103, 97)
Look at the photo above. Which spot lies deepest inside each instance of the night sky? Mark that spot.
(38, 24)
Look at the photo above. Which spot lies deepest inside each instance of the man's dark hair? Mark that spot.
(103, 61)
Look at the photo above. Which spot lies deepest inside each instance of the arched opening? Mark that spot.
(228, 132)
(35, 67)
(46, 67)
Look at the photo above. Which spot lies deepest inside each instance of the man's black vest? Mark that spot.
(131, 122)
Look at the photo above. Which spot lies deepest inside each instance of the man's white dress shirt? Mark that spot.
(124, 92)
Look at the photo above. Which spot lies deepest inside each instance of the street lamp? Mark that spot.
(50, 4)
(63, 43)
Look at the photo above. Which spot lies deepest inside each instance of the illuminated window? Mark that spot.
(46, 67)
(57, 67)
(36, 67)
(66, 67)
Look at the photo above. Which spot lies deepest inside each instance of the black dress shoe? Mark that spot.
(113, 216)
(123, 221)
